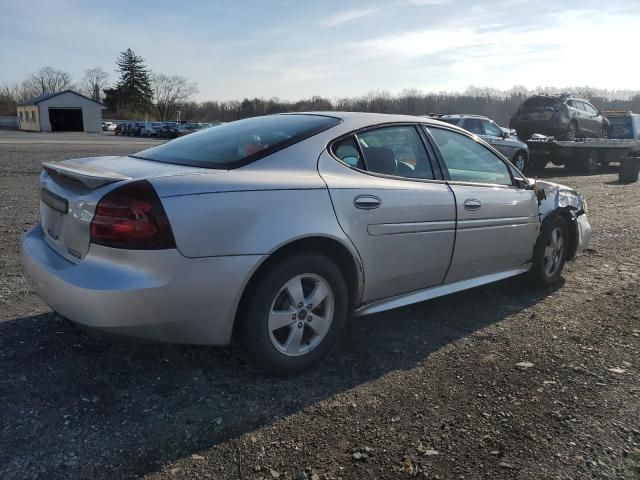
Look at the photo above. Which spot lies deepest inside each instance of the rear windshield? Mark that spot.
(621, 127)
(233, 144)
(537, 102)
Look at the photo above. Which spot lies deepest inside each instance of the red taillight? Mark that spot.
(132, 217)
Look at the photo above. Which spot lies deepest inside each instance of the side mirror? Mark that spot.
(525, 183)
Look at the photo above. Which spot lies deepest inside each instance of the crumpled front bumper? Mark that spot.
(584, 232)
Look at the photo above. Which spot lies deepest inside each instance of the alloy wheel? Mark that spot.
(519, 162)
(553, 252)
(301, 314)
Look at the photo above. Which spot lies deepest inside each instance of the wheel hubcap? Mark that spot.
(520, 162)
(301, 314)
(553, 252)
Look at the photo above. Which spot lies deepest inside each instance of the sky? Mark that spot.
(297, 49)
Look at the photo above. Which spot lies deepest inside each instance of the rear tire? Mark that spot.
(629, 170)
(550, 251)
(588, 161)
(537, 164)
(281, 329)
(572, 131)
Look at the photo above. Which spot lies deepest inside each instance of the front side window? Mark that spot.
(491, 128)
(235, 143)
(469, 161)
(397, 151)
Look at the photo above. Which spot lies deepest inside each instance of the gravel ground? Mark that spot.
(503, 381)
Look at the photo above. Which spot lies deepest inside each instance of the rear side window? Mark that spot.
(451, 121)
(397, 151)
(232, 144)
(473, 125)
(468, 161)
(347, 150)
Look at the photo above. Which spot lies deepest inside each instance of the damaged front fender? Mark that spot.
(556, 199)
(553, 197)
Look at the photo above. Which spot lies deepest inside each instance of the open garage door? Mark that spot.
(66, 120)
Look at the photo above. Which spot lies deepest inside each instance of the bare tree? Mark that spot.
(94, 82)
(46, 80)
(169, 92)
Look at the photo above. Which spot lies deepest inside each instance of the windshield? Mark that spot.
(235, 143)
(621, 127)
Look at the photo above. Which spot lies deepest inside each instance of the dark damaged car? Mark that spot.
(562, 116)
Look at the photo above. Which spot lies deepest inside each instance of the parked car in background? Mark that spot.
(501, 139)
(108, 126)
(562, 116)
(150, 129)
(275, 229)
(187, 128)
(168, 129)
(122, 128)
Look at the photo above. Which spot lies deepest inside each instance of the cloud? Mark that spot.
(349, 16)
(422, 3)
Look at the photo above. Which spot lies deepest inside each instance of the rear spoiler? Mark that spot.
(85, 174)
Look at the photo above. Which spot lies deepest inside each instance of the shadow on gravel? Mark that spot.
(72, 406)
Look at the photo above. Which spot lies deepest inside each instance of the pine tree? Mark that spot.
(134, 86)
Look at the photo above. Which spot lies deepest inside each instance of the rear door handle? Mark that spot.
(367, 202)
(472, 204)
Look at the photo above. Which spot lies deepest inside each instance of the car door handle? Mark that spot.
(367, 202)
(472, 204)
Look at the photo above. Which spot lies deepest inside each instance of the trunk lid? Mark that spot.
(71, 189)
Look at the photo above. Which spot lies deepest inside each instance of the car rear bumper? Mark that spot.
(554, 127)
(153, 295)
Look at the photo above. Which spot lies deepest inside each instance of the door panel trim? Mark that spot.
(414, 227)
(434, 292)
(495, 222)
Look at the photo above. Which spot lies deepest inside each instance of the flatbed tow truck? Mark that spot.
(585, 155)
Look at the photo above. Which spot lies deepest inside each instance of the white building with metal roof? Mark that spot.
(65, 111)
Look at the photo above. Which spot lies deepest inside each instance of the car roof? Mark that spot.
(455, 115)
(357, 120)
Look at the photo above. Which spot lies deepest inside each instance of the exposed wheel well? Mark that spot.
(332, 249)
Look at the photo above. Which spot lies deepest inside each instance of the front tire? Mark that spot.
(294, 314)
(550, 251)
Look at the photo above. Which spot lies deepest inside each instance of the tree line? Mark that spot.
(495, 104)
(140, 93)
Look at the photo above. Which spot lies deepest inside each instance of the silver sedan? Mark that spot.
(274, 230)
